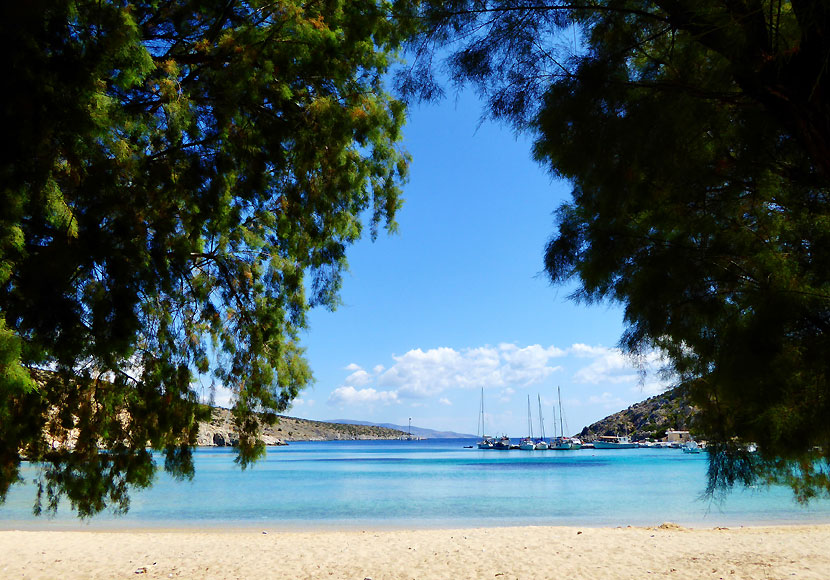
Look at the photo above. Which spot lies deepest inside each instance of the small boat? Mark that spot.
(502, 443)
(614, 442)
(527, 443)
(562, 442)
(691, 447)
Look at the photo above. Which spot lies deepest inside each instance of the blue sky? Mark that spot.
(456, 301)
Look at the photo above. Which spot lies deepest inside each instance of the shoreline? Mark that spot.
(524, 552)
(334, 526)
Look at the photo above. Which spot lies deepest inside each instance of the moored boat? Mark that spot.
(562, 442)
(541, 444)
(691, 447)
(614, 442)
(527, 443)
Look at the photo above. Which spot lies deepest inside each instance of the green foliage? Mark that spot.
(697, 139)
(184, 181)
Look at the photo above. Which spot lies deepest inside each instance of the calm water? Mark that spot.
(435, 483)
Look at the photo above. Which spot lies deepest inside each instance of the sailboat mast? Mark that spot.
(553, 408)
(529, 419)
(561, 428)
(541, 419)
(481, 418)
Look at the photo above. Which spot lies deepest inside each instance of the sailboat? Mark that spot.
(527, 443)
(563, 442)
(486, 442)
(541, 444)
(575, 442)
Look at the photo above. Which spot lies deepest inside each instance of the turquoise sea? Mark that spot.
(433, 483)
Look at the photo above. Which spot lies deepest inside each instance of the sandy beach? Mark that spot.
(667, 550)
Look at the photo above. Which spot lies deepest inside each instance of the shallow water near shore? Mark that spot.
(431, 483)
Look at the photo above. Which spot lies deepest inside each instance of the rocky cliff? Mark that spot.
(647, 419)
(220, 431)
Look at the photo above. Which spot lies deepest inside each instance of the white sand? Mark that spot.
(487, 553)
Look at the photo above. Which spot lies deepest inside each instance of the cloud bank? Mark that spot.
(428, 374)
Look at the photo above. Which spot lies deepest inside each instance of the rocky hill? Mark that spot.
(647, 419)
(220, 431)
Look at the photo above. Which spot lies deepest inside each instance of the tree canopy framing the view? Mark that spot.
(183, 182)
(695, 135)
(185, 178)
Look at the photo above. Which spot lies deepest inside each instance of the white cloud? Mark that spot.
(348, 395)
(223, 397)
(609, 365)
(607, 401)
(217, 395)
(586, 351)
(300, 402)
(359, 378)
(429, 375)
(420, 373)
(650, 388)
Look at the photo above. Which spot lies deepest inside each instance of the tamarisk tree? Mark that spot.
(182, 182)
(696, 136)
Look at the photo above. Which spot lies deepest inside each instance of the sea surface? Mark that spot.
(429, 484)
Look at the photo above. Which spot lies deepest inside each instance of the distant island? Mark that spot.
(420, 432)
(220, 431)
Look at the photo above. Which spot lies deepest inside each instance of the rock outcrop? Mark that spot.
(648, 419)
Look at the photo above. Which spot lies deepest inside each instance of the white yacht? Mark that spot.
(614, 442)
